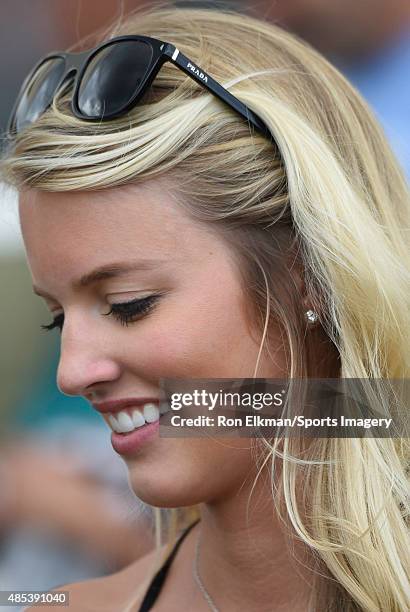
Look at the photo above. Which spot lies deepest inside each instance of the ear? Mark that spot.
(307, 297)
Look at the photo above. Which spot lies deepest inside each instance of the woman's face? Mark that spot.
(197, 328)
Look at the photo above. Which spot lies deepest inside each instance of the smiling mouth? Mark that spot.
(134, 417)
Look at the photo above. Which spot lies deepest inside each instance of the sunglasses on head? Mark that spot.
(109, 80)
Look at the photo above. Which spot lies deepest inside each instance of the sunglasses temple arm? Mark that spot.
(201, 77)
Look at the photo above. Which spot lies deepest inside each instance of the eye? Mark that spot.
(126, 312)
(57, 322)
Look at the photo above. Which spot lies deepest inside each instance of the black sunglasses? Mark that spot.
(109, 80)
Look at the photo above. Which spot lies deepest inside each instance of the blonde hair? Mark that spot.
(332, 194)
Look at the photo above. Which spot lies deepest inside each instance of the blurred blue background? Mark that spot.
(368, 40)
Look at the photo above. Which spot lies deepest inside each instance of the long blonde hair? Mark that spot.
(333, 193)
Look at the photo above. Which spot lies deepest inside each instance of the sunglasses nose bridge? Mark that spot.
(67, 80)
(76, 60)
(73, 64)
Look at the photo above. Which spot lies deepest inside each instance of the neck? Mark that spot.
(244, 562)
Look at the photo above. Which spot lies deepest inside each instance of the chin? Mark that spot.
(185, 472)
(168, 489)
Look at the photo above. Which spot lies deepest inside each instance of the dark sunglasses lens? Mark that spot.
(113, 77)
(39, 92)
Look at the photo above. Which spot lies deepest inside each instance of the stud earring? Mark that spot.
(311, 316)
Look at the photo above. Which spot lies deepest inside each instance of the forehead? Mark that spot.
(146, 214)
(143, 211)
(69, 233)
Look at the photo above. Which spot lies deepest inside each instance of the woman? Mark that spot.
(269, 247)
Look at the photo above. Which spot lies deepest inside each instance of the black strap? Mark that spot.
(159, 578)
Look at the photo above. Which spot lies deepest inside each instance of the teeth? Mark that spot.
(114, 423)
(164, 407)
(123, 422)
(138, 418)
(151, 413)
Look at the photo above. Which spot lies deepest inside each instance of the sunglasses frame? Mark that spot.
(77, 63)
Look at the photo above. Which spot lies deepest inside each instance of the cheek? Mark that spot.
(200, 341)
(197, 470)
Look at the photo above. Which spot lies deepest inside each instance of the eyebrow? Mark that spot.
(111, 270)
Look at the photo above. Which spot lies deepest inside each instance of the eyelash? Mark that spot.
(124, 312)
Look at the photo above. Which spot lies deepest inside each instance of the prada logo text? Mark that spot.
(197, 72)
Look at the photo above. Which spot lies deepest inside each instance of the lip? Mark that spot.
(131, 443)
(117, 405)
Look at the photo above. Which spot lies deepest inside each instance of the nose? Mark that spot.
(84, 363)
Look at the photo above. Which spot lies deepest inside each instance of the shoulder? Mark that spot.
(111, 592)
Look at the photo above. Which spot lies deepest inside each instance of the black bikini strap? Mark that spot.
(159, 578)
